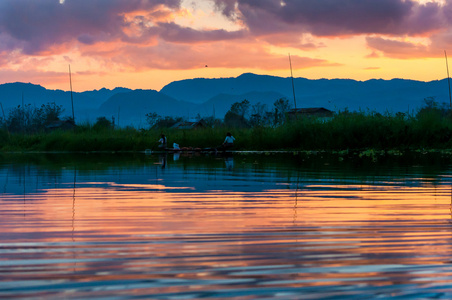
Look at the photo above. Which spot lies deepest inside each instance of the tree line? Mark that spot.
(31, 119)
(241, 115)
(430, 127)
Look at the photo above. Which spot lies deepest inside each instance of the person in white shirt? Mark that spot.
(228, 142)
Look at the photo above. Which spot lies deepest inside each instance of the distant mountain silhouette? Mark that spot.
(102, 95)
(85, 103)
(200, 90)
(336, 94)
(187, 98)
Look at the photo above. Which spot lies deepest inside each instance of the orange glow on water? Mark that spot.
(135, 205)
(148, 239)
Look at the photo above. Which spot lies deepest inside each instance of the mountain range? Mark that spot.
(214, 97)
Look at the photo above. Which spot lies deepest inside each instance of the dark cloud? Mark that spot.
(45, 26)
(227, 7)
(38, 25)
(337, 18)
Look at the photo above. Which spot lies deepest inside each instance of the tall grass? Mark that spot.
(346, 130)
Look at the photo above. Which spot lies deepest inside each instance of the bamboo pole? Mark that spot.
(72, 99)
(23, 113)
(4, 119)
(448, 80)
(3, 112)
(293, 86)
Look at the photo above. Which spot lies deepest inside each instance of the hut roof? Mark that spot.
(313, 111)
(189, 125)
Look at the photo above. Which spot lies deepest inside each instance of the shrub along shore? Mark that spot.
(430, 128)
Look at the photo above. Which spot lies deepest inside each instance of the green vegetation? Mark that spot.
(30, 119)
(429, 128)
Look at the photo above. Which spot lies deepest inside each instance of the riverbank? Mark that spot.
(318, 157)
(344, 132)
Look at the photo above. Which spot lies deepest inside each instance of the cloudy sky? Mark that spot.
(149, 43)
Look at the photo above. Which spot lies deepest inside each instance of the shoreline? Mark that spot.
(362, 152)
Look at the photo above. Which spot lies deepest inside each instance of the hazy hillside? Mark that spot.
(132, 107)
(85, 103)
(335, 94)
(187, 98)
(13, 94)
(200, 90)
(102, 95)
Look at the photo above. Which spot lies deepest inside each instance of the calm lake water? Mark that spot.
(245, 227)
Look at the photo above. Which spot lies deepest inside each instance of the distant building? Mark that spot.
(190, 124)
(315, 112)
(63, 125)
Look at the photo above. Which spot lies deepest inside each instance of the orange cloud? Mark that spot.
(293, 40)
(400, 49)
(170, 56)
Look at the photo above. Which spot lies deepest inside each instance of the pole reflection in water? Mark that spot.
(197, 230)
(74, 251)
(163, 159)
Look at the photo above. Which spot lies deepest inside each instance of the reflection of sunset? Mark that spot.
(147, 239)
(162, 209)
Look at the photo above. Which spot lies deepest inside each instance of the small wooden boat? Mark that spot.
(189, 149)
(182, 150)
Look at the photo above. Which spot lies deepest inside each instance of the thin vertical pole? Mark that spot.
(72, 99)
(448, 80)
(23, 113)
(119, 109)
(4, 118)
(293, 86)
(3, 112)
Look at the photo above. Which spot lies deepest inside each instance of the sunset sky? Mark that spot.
(149, 43)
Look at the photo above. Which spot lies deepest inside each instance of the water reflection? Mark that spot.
(176, 156)
(122, 227)
(163, 159)
(229, 162)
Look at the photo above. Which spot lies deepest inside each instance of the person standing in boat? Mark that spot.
(162, 141)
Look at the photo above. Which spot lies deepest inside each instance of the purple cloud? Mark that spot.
(37, 25)
(337, 18)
